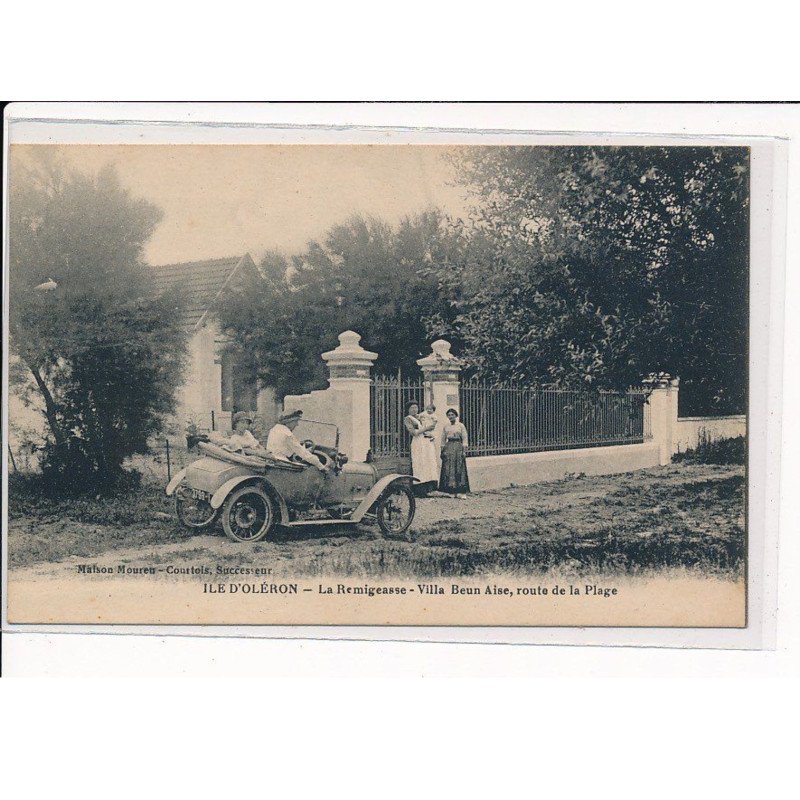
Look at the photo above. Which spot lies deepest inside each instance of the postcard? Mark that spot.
(393, 381)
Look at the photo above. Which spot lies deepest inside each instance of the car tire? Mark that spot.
(192, 513)
(395, 509)
(248, 515)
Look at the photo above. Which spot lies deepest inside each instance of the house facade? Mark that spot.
(214, 386)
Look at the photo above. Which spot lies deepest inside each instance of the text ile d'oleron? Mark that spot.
(435, 589)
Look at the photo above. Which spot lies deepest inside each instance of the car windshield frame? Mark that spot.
(325, 434)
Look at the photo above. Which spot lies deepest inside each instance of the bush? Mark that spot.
(130, 502)
(720, 451)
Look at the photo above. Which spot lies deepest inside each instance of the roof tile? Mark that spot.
(199, 283)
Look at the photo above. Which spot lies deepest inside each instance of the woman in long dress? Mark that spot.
(424, 458)
(454, 478)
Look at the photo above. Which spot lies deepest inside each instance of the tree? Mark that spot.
(593, 266)
(366, 276)
(104, 354)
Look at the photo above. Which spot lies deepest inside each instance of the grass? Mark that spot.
(133, 505)
(693, 525)
(719, 451)
(687, 515)
(43, 528)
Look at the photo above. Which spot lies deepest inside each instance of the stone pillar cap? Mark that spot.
(661, 380)
(349, 350)
(440, 357)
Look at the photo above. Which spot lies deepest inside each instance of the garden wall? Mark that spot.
(689, 432)
(497, 472)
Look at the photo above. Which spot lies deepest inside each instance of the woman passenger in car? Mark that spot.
(242, 436)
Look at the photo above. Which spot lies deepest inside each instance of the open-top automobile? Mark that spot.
(253, 493)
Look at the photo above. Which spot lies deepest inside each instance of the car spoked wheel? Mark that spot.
(248, 514)
(193, 508)
(396, 509)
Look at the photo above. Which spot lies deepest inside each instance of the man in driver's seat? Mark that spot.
(283, 443)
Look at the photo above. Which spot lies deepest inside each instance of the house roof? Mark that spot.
(199, 283)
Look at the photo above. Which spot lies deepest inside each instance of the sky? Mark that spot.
(221, 201)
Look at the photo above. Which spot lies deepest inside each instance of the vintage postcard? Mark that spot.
(364, 381)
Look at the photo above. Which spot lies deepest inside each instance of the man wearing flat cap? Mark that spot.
(283, 443)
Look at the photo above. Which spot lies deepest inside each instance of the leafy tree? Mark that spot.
(593, 266)
(366, 276)
(105, 356)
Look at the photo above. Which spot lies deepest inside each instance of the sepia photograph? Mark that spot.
(378, 384)
(452, 420)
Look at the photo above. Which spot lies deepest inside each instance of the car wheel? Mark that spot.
(248, 514)
(395, 510)
(192, 511)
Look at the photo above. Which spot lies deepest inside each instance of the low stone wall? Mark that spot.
(692, 431)
(497, 472)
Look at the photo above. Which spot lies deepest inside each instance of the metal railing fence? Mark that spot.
(504, 419)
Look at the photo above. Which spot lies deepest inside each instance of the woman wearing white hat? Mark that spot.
(242, 435)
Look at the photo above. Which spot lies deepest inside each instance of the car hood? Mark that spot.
(359, 468)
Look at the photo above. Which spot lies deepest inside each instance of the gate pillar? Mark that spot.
(349, 367)
(662, 409)
(441, 372)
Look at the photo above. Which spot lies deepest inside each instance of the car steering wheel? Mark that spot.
(307, 443)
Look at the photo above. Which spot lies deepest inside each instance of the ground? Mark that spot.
(681, 516)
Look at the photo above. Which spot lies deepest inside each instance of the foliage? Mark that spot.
(720, 451)
(582, 267)
(593, 266)
(365, 276)
(104, 354)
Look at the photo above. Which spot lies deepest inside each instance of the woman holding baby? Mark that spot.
(425, 464)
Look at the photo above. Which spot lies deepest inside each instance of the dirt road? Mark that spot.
(682, 515)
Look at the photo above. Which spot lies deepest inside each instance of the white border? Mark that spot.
(649, 124)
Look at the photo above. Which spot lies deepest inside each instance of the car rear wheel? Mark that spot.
(396, 509)
(248, 514)
(193, 512)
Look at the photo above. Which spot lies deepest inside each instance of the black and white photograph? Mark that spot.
(378, 384)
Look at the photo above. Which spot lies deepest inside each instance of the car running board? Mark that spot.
(298, 522)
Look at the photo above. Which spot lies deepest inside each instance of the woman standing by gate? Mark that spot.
(454, 478)
(424, 458)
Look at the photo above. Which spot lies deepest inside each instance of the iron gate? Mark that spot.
(389, 396)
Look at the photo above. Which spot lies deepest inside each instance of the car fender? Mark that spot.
(175, 482)
(219, 497)
(376, 491)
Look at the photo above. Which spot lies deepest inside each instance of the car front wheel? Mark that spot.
(248, 514)
(395, 510)
(193, 511)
